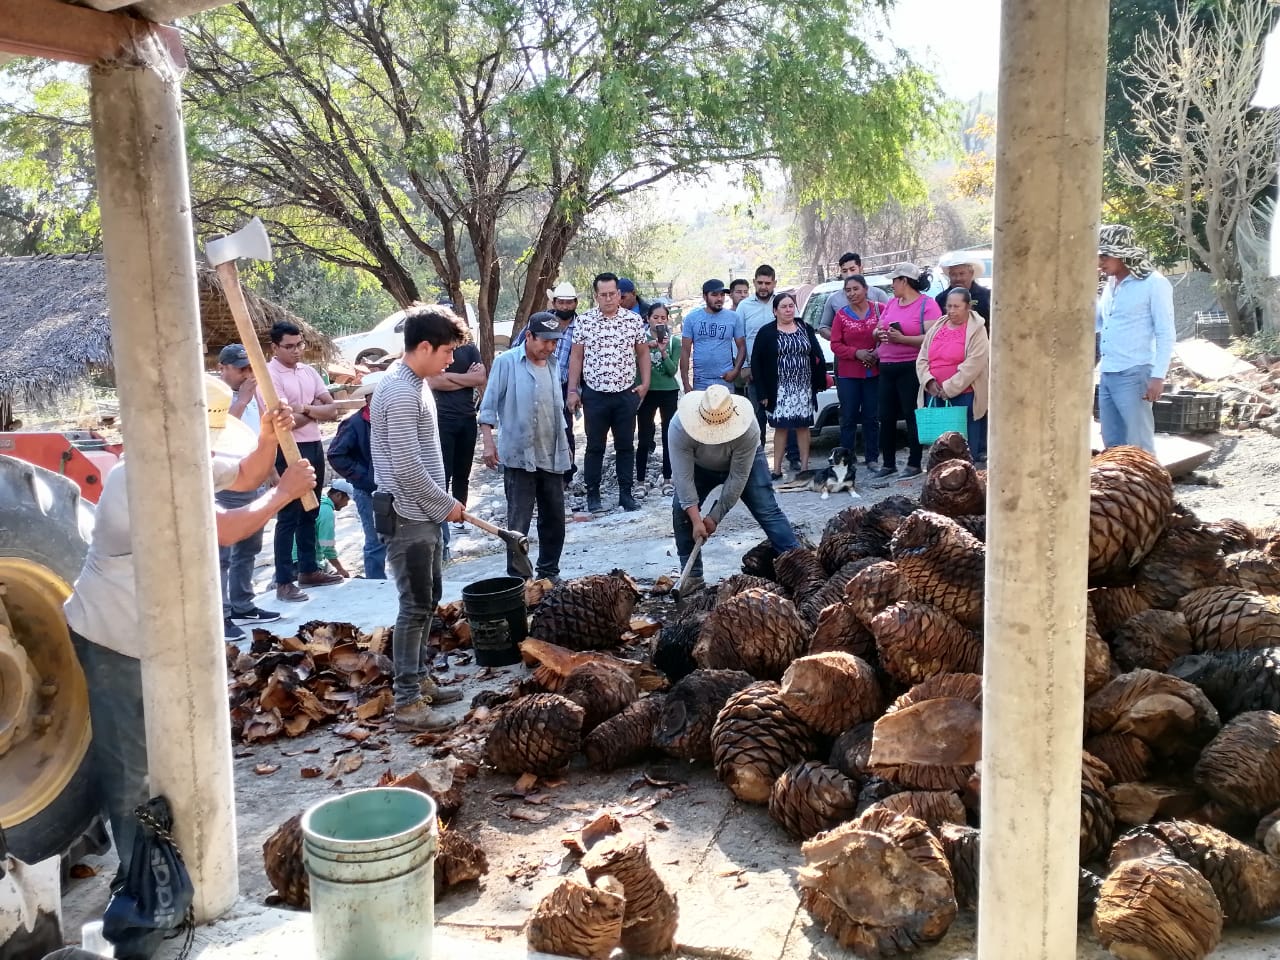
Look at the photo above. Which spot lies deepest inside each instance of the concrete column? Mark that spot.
(1048, 193)
(155, 329)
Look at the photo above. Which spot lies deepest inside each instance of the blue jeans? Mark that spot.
(860, 406)
(1125, 415)
(415, 556)
(375, 551)
(236, 562)
(977, 429)
(757, 495)
(119, 748)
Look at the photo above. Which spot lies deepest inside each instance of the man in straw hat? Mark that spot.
(102, 612)
(962, 269)
(715, 440)
(1134, 316)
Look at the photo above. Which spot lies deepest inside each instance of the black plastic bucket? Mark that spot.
(496, 612)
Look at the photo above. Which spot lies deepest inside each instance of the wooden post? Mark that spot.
(155, 330)
(1048, 195)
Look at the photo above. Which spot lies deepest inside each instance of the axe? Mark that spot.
(251, 242)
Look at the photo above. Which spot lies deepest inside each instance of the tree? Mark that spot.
(373, 131)
(1205, 155)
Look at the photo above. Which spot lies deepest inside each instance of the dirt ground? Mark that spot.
(730, 865)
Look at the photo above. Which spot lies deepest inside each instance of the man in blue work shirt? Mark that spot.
(714, 339)
(1134, 316)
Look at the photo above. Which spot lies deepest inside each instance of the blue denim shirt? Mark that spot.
(508, 405)
(1135, 318)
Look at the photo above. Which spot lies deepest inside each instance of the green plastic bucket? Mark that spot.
(370, 856)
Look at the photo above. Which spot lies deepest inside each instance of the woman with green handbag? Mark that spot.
(953, 367)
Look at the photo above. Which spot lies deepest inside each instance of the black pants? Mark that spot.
(294, 523)
(527, 489)
(458, 447)
(654, 402)
(899, 388)
(604, 413)
(568, 433)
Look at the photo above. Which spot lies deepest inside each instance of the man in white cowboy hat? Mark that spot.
(1134, 316)
(715, 440)
(351, 456)
(102, 612)
(963, 269)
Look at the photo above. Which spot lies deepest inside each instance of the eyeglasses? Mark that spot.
(300, 345)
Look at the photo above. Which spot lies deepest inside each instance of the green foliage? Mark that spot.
(334, 300)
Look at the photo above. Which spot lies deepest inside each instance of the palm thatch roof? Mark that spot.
(55, 328)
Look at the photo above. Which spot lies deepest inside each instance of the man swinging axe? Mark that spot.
(715, 441)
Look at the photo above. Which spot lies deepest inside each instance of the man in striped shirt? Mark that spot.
(408, 465)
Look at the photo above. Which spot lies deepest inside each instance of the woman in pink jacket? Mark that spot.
(953, 365)
(853, 341)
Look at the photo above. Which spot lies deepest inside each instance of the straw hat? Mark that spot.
(715, 415)
(228, 435)
(962, 258)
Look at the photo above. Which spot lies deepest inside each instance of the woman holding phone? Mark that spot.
(899, 333)
(953, 365)
(663, 395)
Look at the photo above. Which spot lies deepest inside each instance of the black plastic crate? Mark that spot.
(1214, 327)
(1188, 411)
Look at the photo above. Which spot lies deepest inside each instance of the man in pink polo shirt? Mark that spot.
(302, 388)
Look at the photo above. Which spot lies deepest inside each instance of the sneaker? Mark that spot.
(627, 502)
(289, 593)
(594, 505)
(881, 472)
(255, 615)
(231, 633)
(417, 716)
(910, 471)
(433, 693)
(319, 578)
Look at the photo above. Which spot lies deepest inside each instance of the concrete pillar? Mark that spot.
(155, 329)
(1048, 193)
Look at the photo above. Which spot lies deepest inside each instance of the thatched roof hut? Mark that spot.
(55, 328)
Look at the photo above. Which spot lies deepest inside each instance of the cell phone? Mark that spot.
(896, 326)
(660, 331)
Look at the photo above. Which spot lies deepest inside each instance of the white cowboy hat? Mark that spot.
(365, 387)
(715, 415)
(228, 435)
(564, 291)
(962, 258)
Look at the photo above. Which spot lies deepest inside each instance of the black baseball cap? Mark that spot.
(714, 286)
(546, 326)
(234, 355)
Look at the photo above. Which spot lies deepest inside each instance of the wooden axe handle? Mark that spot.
(484, 525)
(232, 290)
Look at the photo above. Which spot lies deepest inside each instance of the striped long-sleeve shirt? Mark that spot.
(406, 446)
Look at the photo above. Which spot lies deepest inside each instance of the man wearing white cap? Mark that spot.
(715, 441)
(962, 269)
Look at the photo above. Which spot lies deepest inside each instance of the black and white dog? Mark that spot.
(836, 477)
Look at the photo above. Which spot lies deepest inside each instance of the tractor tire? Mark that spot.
(47, 795)
(371, 355)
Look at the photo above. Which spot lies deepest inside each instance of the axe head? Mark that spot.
(250, 242)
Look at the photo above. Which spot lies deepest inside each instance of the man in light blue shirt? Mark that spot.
(1134, 317)
(714, 339)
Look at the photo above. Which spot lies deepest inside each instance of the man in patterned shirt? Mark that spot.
(408, 465)
(609, 346)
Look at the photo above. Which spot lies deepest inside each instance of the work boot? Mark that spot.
(626, 501)
(593, 502)
(436, 695)
(289, 593)
(417, 716)
(319, 578)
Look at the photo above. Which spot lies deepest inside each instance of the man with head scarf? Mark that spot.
(1134, 318)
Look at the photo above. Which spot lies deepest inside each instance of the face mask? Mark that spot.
(565, 314)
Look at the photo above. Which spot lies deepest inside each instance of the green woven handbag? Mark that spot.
(937, 417)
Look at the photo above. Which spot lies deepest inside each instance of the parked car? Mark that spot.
(386, 339)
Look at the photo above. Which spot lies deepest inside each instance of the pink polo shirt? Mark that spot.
(298, 386)
(908, 319)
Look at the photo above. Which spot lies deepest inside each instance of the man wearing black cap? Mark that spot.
(524, 402)
(714, 340)
(631, 299)
(236, 562)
